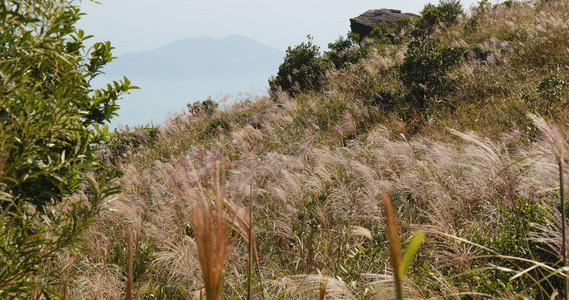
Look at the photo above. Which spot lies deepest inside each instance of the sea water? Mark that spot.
(161, 97)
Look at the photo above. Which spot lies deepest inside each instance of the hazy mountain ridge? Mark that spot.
(188, 70)
(190, 56)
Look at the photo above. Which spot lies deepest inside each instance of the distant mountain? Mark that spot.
(190, 56)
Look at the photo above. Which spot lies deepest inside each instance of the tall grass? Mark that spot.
(559, 143)
(211, 239)
(394, 245)
(301, 173)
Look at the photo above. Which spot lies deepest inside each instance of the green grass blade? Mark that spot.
(411, 250)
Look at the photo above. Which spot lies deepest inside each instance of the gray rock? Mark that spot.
(366, 22)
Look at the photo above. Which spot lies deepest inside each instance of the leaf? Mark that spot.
(362, 250)
(411, 250)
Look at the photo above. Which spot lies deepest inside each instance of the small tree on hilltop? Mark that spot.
(303, 69)
(446, 13)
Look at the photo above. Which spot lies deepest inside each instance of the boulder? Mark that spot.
(366, 22)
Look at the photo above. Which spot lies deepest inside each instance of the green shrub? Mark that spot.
(511, 239)
(345, 50)
(383, 34)
(143, 256)
(218, 124)
(384, 99)
(52, 123)
(306, 228)
(351, 49)
(426, 65)
(445, 13)
(550, 98)
(553, 89)
(207, 107)
(303, 69)
(424, 70)
(119, 143)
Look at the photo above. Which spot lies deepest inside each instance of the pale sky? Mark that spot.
(140, 25)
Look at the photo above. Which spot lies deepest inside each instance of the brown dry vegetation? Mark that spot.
(471, 171)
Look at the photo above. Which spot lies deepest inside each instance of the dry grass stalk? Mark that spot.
(557, 140)
(64, 293)
(323, 285)
(310, 287)
(394, 244)
(129, 274)
(250, 246)
(211, 240)
(489, 153)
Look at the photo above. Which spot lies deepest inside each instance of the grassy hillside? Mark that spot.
(296, 182)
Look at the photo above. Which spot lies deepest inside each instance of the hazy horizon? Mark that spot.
(142, 25)
(189, 70)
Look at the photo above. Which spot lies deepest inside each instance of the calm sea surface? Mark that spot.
(160, 97)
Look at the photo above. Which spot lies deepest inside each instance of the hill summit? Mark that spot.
(200, 55)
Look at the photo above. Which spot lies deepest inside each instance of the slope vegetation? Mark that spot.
(433, 114)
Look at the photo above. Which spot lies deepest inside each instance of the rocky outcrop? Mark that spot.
(366, 22)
